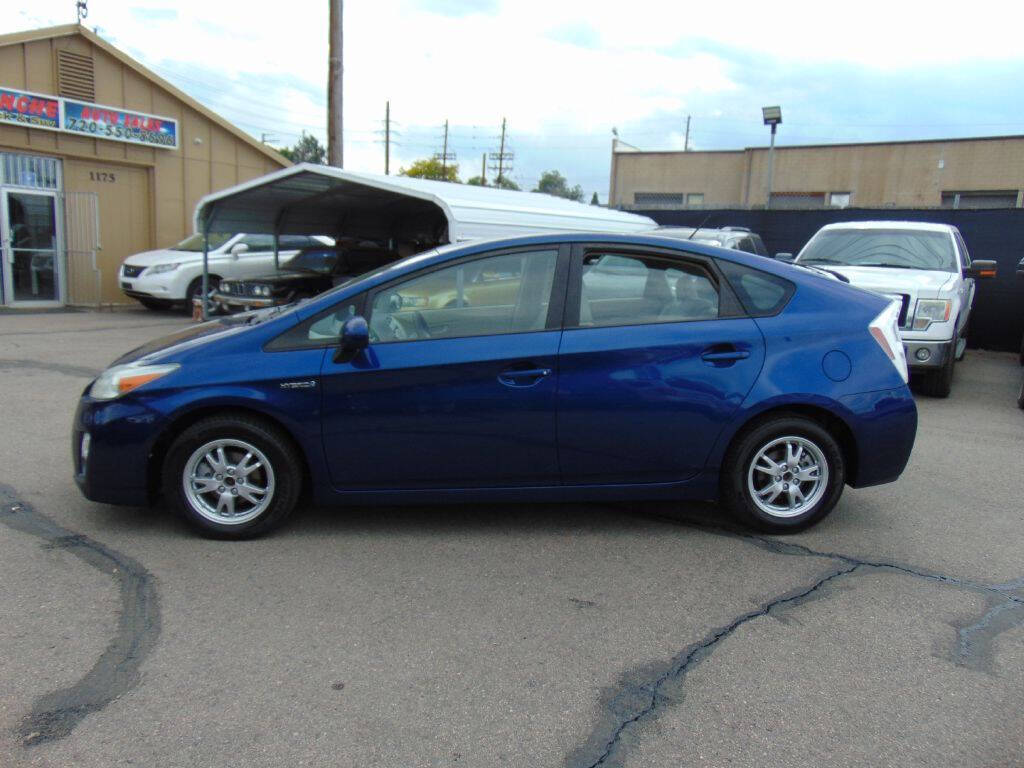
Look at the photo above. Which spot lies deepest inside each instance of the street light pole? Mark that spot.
(772, 117)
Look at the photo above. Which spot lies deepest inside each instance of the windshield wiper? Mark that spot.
(889, 266)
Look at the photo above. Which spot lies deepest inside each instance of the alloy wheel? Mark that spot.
(787, 476)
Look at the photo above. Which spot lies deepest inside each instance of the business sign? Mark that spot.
(33, 110)
(30, 110)
(119, 125)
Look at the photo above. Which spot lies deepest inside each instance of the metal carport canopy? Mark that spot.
(311, 199)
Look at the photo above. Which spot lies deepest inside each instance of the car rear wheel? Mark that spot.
(233, 477)
(783, 474)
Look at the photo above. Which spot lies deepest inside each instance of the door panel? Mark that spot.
(435, 414)
(642, 404)
(30, 253)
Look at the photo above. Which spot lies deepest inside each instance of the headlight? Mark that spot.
(156, 269)
(931, 311)
(122, 379)
(261, 290)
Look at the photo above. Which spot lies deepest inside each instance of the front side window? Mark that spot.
(636, 290)
(259, 242)
(194, 244)
(323, 330)
(894, 248)
(508, 293)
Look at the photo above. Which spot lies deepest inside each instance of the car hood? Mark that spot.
(162, 256)
(289, 276)
(918, 283)
(188, 339)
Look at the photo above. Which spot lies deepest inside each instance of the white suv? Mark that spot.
(168, 275)
(926, 268)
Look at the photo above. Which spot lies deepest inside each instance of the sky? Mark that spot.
(565, 73)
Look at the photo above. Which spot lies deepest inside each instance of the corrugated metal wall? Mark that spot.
(997, 321)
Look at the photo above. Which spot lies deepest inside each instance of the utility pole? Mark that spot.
(387, 137)
(483, 169)
(335, 134)
(501, 156)
(444, 155)
(444, 152)
(686, 143)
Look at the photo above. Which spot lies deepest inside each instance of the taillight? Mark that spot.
(885, 330)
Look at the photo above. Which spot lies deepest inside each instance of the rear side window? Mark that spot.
(760, 293)
(634, 290)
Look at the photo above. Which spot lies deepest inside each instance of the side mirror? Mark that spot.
(786, 257)
(981, 268)
(355, 337)
(238, 249)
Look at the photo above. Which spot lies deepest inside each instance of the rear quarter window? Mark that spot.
(761, 293)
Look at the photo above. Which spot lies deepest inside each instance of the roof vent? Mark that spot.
(75, 79)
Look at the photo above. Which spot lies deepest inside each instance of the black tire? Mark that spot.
(736, 469)
(195, 289)
(276, 447)
(1020, 395)
(154, 303)
(939, 383)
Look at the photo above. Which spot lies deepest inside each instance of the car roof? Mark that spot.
(918, 226)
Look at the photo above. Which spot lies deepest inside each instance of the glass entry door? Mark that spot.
(31, 264)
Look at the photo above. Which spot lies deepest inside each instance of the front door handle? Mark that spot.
(523, 377)
(715, 355)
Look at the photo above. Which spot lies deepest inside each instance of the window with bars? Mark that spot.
(658, 199)
(1006, 198)
(29, 171)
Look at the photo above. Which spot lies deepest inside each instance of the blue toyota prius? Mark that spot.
(568, 367)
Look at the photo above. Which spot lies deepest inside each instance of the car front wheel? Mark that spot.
(783, 475)
(233, 476)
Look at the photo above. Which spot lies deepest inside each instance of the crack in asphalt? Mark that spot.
(638, 699)
(39, 365)
(55, 714)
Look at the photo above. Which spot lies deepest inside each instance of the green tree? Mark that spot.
(594, 200)
(506, 183)
(477, 181)
(306, 150)
(431, 168)
(554, 183)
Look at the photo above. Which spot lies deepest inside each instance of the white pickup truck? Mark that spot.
(924, 266)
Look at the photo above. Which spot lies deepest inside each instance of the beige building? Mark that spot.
(951, 173)
(100, 158)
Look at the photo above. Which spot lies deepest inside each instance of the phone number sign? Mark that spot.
(119, 125)
(33, 110)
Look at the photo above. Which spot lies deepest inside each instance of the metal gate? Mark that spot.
(82, 241)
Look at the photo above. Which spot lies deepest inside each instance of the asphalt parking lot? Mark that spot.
(633, 635)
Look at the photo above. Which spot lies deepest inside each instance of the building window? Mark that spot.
(1006, 198)
(798, 200)
(29, 171)
(695, 200)
(658, 199)
(838, 199)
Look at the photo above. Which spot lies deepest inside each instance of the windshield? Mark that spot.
(195, 242)
(320, 261)
(895, 248)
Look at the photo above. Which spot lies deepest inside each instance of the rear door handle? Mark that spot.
(725, 356)
(523, 378)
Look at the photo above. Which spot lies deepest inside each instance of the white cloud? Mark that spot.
(563, 72)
